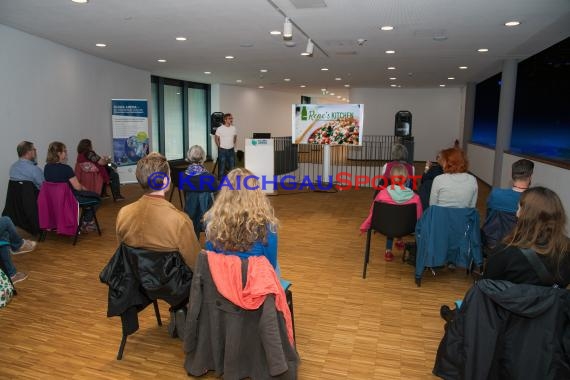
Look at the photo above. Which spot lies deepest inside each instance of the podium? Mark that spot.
(260, 160)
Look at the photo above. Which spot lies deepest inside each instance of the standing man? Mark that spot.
(25, 169)
(226, 136)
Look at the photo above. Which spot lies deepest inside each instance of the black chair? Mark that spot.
(391, 221)
(22, 206)
(138, 277)
(176, 167)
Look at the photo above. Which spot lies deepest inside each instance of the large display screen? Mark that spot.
(327, 124)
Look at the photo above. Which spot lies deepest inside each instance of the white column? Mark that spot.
(326, 162)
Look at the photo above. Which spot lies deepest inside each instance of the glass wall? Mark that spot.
(179, 116)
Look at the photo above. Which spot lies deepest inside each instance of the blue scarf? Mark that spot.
(195, 169)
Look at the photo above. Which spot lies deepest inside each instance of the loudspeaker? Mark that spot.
(216, 120)
(403, 124)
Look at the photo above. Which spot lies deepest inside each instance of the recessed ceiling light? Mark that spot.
(332, 94)
(80, 1)
(260, 87)
(207, 72)
(387, 27)
(338, 96)
(392, 78)
(483, 50)
(391, 68)
(302, 86)
(161, 60)
(463, 67)
(337, 78)
(324, 69)
(343, 98)
(393, 85)
(230, 57)
(275, 32)
(451, 78)
(390, 51)
(101, 45)
(287, 79)
(181, 38)
(263, 70)
(305, 54)
(441, 85)
(512, 23)
(323, 89)
(238, 80)
(346, 85)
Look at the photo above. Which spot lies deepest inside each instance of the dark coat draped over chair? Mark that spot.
(22, 205)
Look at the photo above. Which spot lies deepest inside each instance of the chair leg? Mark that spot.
(122, 347)
(43, 234)
(79, 226)
(289, 297)
(157, 312)
(366, 252)
(96, 221)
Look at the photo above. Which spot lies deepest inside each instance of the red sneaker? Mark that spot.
(400, 244)
(388, 256)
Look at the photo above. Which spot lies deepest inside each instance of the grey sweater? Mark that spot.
(454, 190)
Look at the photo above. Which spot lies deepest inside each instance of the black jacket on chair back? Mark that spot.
(508, 331)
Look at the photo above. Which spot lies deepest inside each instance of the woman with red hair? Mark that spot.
(455, 187)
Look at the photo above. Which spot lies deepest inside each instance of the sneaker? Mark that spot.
(388, 256)
(20, 276)
(90, 227)
(399, 244)
(119, 198)
(446, 313)
(105, 196)
(27, 246)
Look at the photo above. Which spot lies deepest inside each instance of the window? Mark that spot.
(486, 118)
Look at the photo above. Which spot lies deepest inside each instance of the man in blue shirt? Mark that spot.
(25, 169)
(508, 199)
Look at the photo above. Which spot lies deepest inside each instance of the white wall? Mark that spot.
(437, 115)
(50, 92)
(481, 161)
(257, 110)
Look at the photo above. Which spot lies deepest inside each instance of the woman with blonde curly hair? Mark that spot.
(242, 221)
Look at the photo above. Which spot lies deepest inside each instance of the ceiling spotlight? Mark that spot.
(337, 78)
(101, 45)
(302, 86)
(332, 94)
(230, 57)
(207, 72)
(463, 67)
(275, 32)
(161, 60)
(338, 96)
(346, 85)
(287, 79)
(238, 80)
(391, 68)
(441, 85)
(309, 50)
(181, 38)
(260, 87)
(393, 85)
(483, 50)
(390, 51)
(450, 78)
(512, 23)
(387, 27)
(287, 29)
(263, 70)
(392, 78)
(80, 1)
(324, 69)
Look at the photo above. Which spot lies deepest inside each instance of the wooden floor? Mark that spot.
(383, 327)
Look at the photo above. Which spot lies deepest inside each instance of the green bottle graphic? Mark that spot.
(304, 113)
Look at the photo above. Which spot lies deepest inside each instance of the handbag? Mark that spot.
(6, 289)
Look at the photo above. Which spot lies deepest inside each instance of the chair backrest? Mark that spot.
(21, 205)
(497, 225)
(89, 176)
(58, 208)
(196, 205)
(394, 220)
(176, 167)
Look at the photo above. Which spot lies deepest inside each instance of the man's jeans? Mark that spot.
(8, 234)
(226, 160)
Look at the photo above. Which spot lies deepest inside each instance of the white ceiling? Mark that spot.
(138, 32)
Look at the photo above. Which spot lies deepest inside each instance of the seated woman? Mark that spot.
(199, 186)
(540, 231)
(395, 195)
(56, 170)
(242, 221)
(455, 187)
(85, 154)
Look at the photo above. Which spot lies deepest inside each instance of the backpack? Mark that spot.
(6, 289)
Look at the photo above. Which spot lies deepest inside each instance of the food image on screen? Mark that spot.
(336, 132)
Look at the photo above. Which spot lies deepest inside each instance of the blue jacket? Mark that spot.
(448, 235)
